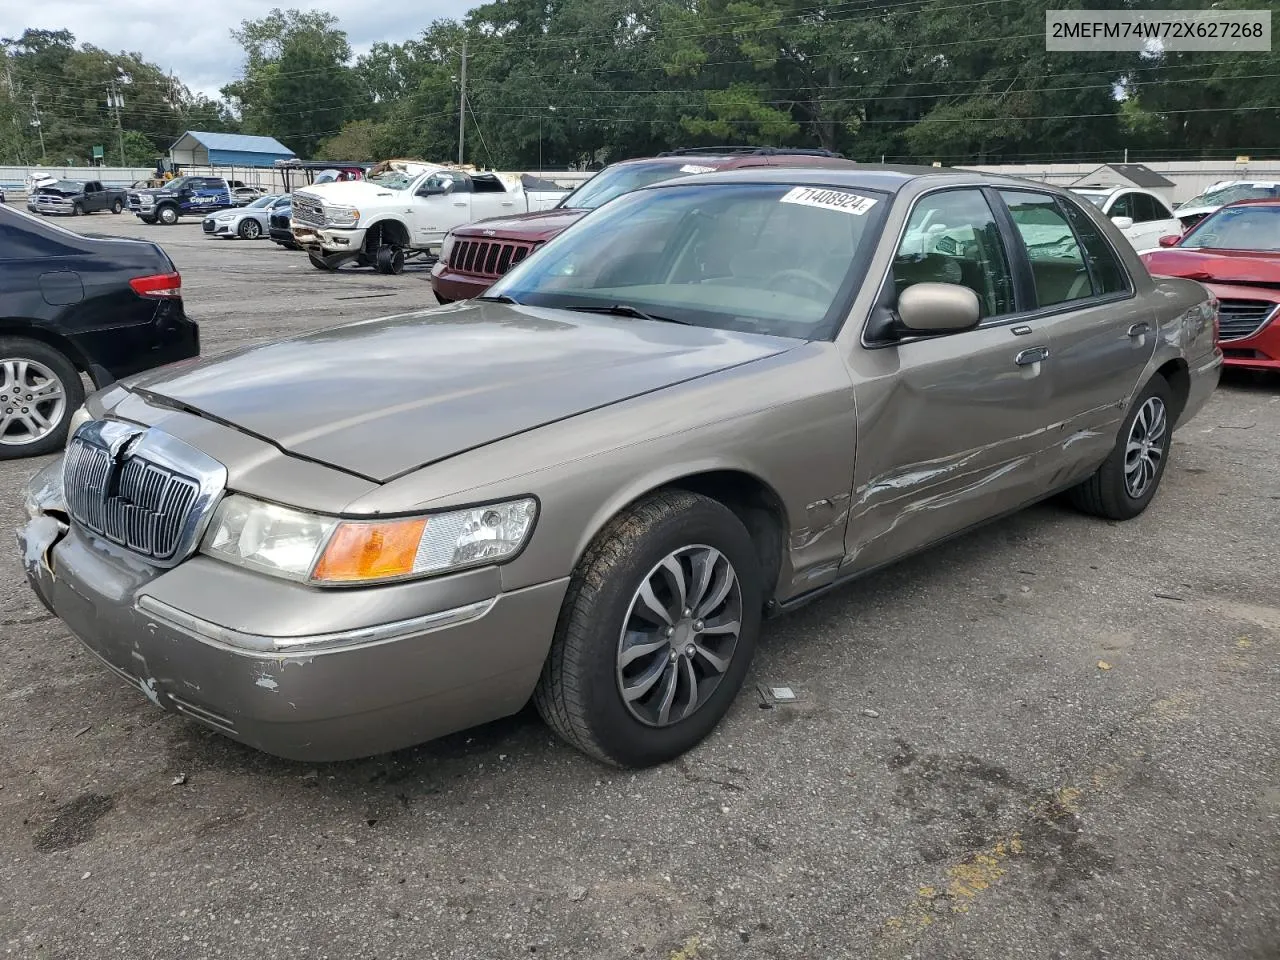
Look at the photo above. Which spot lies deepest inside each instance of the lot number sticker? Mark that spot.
(840, 200)
(696, 168)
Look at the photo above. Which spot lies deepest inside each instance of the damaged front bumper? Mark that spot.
(469, 653)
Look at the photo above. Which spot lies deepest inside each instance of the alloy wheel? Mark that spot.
(32, 401)
(679, 635)
(1144, 450)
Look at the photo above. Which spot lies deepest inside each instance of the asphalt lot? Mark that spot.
(1054, 737)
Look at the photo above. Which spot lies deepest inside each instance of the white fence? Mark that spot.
(1190, 177)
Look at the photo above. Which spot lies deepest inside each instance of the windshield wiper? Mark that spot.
(627, 310)
(501, 298)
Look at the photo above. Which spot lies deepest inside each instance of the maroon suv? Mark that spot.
(477, 254)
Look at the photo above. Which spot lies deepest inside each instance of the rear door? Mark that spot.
(1155, 220)
(1102, 334)
(951, 428)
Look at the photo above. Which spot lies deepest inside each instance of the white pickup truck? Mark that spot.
(382, 221)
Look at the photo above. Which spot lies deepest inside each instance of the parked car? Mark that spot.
(1235, 252)
(280, 224)
(247, 223)
(72, 304)
(1141, 216)
(1224, 192)
(475, 255)
(242, 194)
(382, 221)
(181, 197)
(708, 399)
(74, 198)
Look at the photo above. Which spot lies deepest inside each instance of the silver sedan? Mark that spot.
(247, 223)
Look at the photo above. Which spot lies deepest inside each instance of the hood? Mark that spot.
(52, 191)
(527, 226)
(382, 397)
(352, 192)
(1224, 266)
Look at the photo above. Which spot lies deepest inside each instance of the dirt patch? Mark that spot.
(74, 822)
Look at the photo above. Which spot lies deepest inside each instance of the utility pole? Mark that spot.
(115, 100)
(462, 104)
(35, 112)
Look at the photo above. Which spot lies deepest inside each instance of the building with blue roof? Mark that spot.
(197, 149)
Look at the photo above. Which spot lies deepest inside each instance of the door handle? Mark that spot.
(462, 203)
(1020, 331)
(1031, 355)
(1140, 329)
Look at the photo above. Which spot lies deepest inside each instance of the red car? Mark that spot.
(1235, 252)
(477, 254)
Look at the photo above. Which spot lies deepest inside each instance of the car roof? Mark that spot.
(888, 178)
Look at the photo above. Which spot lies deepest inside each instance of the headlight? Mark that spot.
(311, 548)
(342, 216)
(81, 415)
(446, 248)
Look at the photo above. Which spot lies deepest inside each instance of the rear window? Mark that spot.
(23, 237)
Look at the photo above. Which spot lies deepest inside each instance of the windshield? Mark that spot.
(393, 180)
(1237, 228)
(177, 183)
(1232, 193)
(623, 178)
(761, 258)
(65, 186)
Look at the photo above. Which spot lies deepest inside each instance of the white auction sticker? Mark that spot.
(695, 168)
(825, 199)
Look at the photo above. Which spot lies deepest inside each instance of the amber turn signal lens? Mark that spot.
(370, 551)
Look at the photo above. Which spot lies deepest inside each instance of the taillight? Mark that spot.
(160, 286)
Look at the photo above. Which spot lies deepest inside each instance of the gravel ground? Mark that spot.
(1055, 737)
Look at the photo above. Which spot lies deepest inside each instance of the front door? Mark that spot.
(951, 429)
(1103, 336)
(442, 202)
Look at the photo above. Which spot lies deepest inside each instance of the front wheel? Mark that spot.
(656, 633)
(249, 229)
(76, 210)
(389, 259)
(1128, 479)
(168, 215)
(39, 391)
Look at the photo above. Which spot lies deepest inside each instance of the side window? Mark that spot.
(1123, 207)
(1057, 265)
(1159, 210)
(952, 237)
(1145, 207)
(1108, 274)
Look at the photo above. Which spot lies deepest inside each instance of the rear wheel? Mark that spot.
(1128, 479)
(656, 633)
(249, 229)
(39, 391)
(117, 207)
(168, 215)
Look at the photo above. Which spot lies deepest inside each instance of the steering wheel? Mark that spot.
(792, 274)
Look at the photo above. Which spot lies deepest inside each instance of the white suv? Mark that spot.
(1142, 216)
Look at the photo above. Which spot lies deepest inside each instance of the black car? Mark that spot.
(75, 305)
(280, 227)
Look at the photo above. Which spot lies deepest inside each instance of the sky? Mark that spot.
(197, 47)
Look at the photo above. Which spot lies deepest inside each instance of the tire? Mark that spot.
(117, 208)
(249, 229)
(320, 263)
(44, 363)
(389, 259)
(76, 210)
(579, 693)
(1108, 492)
(168, 215)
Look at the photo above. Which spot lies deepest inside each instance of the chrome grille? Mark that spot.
(488, 258)
(135, 504)
(308, 210)
(1238, 319)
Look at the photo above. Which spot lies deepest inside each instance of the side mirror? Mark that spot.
(438, 190)
(1124, 223)
(1170, 241)
(938, 308)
